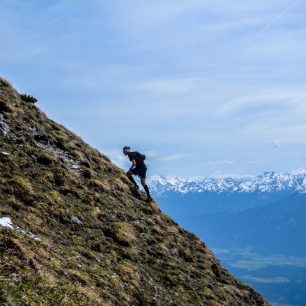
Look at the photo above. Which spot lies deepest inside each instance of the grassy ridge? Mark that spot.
(80, 237)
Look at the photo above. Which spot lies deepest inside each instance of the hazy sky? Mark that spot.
(205, 88)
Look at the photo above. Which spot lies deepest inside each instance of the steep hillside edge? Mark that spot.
(72, 233)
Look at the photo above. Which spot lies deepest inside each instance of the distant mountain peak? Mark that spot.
(269, 181)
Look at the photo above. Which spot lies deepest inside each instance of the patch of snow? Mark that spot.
(6, 222)
(5, 153)
(75, 166)
(4, 128)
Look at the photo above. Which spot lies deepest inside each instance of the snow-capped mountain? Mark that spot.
(268, 182)
(235, 216)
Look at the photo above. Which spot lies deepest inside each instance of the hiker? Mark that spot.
(138, 168)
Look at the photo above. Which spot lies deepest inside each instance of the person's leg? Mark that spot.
(130, 176)
(145, 186)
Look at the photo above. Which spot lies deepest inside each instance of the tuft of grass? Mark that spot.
(21, 188)
(86, 173)
(123, 233)
(54, 197)
(28, 98)
(37, 291)
(5, 83)
(45, 159)
(5, 105)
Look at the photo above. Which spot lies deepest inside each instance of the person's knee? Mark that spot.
(143, 182)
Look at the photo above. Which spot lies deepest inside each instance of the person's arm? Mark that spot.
(133, 164)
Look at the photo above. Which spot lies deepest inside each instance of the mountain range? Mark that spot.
(294, 181)
(256, 225)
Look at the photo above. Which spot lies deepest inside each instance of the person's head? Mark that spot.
(126, 150)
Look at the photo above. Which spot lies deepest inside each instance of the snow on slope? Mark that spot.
(268, 182)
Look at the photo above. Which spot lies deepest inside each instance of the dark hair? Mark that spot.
(126, 148)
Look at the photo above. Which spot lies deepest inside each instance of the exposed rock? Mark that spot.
(73, 164)
(76, 220)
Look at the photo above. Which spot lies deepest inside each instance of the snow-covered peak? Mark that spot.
(267, 182)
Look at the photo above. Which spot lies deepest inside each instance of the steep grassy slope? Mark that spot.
(78, 236)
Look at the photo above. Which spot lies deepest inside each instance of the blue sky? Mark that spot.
(205, 88)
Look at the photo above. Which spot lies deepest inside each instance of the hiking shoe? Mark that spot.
(149, 199)
(135, 189)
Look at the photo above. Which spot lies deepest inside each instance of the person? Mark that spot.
(138, 168)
